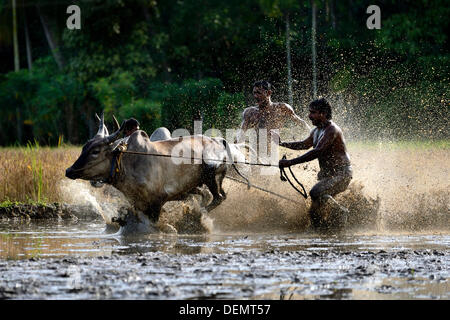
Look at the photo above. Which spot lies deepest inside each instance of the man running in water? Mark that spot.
(329, 148)
(267, 115)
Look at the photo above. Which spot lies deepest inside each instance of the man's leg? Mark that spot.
(316, 195)
(329, 198)
(339, 214)
(314, 214)
(323, 192)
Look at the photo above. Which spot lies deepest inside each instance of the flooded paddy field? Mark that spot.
(76, 260)
(253, 246)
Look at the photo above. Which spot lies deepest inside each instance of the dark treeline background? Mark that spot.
(167, 62)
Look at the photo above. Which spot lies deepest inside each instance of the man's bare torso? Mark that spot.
(334, 159)
(270, 117)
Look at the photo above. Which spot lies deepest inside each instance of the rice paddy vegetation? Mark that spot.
(31, 174)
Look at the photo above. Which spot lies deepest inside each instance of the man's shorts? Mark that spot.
(331, 185)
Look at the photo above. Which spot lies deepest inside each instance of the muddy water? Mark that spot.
(76, 260)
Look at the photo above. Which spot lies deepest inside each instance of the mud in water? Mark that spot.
(77, 261)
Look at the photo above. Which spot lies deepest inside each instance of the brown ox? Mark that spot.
(147, 175)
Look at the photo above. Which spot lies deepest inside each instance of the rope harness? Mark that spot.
(121, 149)
(116, 162)
(264, 190)
(194, 158)
(284, 177)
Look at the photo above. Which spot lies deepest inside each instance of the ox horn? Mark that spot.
(102, 130)
(116, 123)
(115, 135)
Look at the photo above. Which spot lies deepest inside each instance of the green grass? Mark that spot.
(7, 203)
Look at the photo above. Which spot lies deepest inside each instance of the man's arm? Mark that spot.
(244, 125)
(289, 111)
(324, 143)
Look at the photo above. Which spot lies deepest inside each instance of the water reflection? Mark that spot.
(383, 289)
(56, 239)
(19, 240)
(235, 265)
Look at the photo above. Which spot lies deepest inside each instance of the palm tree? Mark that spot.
(50, 38)
(283, 8)
(15, 41)
(16, 66)
(288, 60)
(27, 38)
(313, 47)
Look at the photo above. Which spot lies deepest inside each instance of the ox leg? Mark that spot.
(204, 194)
(220, 183)
(153, 212)
(211, 182)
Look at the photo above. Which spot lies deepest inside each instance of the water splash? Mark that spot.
(106, 201)
(396, 188)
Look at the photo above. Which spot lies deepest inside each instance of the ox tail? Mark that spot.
(230, 157)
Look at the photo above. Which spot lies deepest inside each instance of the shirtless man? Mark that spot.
(131, 125)
(329, 148)
(267, 114)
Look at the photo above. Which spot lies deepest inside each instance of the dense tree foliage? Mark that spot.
(173, 61)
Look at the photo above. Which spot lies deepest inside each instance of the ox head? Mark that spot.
(94, 163)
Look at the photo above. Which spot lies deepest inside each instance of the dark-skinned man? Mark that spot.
(131, 125)
(267, 115)
(329, 148)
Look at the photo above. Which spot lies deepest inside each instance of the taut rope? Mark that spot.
(194, 158)
(283, 178)
(265, 190)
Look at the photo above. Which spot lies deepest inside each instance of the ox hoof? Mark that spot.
(167, 228)
(214, 204)
(121, 222)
